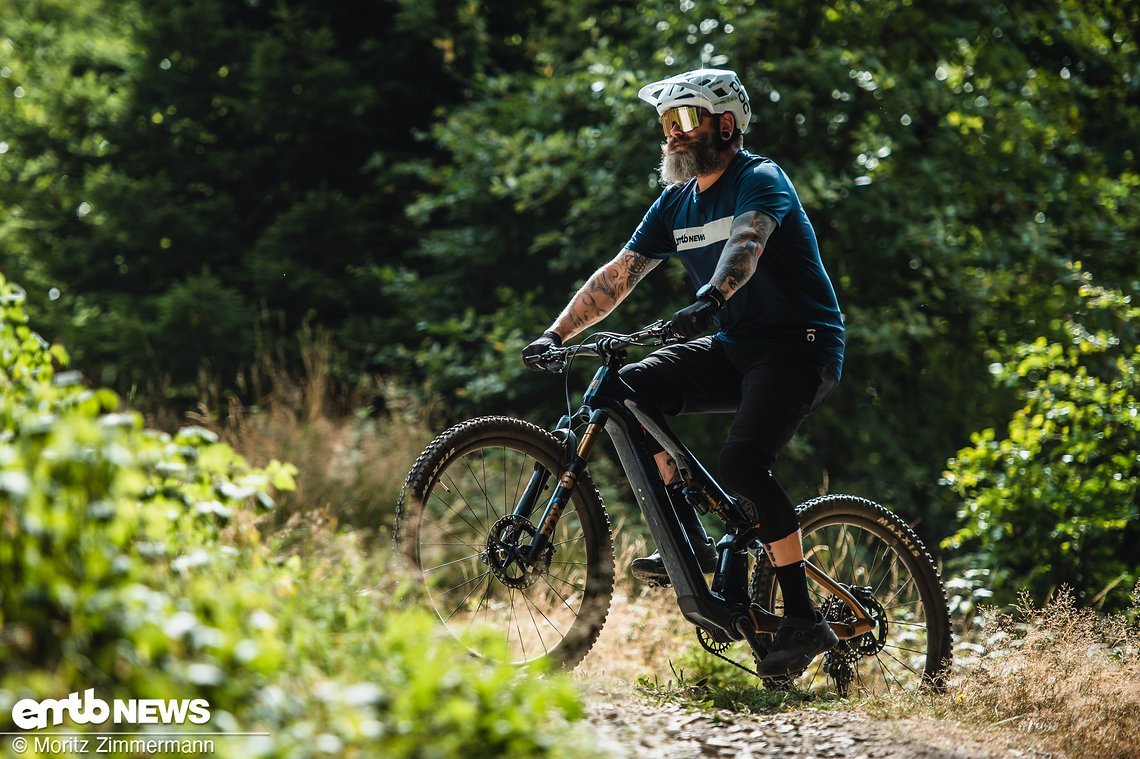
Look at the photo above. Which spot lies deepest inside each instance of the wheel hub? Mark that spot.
(506, 554)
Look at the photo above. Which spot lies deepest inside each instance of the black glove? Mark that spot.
(549, 339)
(692, 320)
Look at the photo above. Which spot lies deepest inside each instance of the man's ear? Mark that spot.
(727, 125)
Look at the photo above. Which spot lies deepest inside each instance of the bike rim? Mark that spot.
(897, 659)
(478, 606)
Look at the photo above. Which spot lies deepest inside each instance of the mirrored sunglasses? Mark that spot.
(685, 117)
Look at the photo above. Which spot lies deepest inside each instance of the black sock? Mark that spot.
(793, 584)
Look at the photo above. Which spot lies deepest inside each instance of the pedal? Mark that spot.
(651, 571)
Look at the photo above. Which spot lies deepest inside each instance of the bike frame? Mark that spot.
(724, 610)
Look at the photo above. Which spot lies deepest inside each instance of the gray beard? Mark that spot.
(703, 156)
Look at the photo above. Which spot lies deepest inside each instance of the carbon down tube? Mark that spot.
(696, 602)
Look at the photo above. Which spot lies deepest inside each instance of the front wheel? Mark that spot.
(456, 526)
(879, 558)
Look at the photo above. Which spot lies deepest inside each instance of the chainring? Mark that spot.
(711, 644)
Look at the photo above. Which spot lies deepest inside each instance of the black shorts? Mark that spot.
(770, 390)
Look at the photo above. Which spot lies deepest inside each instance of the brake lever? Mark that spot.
(669, 336)
(551, 361)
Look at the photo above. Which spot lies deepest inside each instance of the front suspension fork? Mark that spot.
(562, 492)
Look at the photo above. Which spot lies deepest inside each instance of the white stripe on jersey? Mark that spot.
(698, 237)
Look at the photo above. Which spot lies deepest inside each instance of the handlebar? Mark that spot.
(606, 344)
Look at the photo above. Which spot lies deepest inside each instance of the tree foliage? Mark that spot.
(952, 173)
(1057, 498)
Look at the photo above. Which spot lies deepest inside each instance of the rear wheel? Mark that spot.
(455, 525)
(879, 558)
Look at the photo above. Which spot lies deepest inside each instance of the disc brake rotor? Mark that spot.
(506, 554)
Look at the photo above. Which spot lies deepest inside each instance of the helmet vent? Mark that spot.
(720, 92)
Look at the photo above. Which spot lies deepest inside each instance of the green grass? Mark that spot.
(704, 693)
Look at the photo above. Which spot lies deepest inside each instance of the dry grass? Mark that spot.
(644, 631)
(352, 466)
(352, 446)
(1064, 673)
(1060, 677)
(1064, 677)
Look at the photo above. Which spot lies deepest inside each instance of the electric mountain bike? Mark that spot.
(501, 521)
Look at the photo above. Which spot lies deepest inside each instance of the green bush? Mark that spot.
(131, 562)
(1054, 499)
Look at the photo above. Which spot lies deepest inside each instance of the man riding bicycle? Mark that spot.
(735, 221)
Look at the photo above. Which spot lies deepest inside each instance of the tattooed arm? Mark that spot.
(603, 291)
(746, 242)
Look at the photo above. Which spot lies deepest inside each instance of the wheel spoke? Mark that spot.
(481, 531)
(534, 607)
(469, 594)
(565, 601)
(449, 534)
(522, 473)
(547, 618)
(887, 675)
(904, 649)
(579, 588)
(479, 483)
(449, 563)
(900, 662)
(465, 582)
(534, 624)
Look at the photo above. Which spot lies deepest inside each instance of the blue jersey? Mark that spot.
(789, 302)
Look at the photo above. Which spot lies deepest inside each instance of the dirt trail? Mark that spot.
(629, 725)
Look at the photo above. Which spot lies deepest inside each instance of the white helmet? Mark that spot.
(717, 90)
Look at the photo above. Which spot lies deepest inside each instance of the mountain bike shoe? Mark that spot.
(651, 568)
(798, 641)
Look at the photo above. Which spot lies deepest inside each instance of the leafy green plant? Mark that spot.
(174, 171)
(97, 512)
(132, 562)
(1055, 497)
